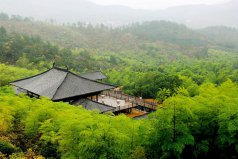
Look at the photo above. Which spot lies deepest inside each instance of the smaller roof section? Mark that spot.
(92, 105)
(94, 75)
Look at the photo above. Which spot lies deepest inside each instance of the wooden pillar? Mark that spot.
(97, 98)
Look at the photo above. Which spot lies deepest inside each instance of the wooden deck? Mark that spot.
(135, 101)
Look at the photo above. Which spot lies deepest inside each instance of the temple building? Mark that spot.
(62, 85)
(87, 90)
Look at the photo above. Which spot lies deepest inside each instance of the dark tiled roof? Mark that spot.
(91, 105)
(94, 76)
(58, 84)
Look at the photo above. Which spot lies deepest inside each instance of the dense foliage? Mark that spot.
(203, 126)
(58, 129)
(11, 73)
(216, 67)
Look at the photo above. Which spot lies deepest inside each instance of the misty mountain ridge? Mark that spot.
(127, 37)
(196, 16)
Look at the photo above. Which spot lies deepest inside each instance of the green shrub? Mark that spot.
(6, 148)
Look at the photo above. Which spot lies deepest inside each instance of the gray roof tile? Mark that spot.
(60, 84)
(94, 75)
(92, 105)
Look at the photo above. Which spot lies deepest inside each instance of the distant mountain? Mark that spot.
(197, 16)
(72, 11)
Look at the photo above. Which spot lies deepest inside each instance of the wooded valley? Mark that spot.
(193, 74)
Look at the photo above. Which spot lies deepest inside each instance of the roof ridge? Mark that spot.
(91, 80)
(60, 85)
(61, 69)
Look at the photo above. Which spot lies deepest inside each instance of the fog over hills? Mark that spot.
(203, 15)
(196, 16)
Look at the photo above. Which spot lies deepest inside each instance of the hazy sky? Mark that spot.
(155, 4)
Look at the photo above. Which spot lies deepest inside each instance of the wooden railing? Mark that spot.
(134, 100)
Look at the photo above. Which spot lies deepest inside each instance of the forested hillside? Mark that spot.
(192, 74)
(78, 35)
(131, 37)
